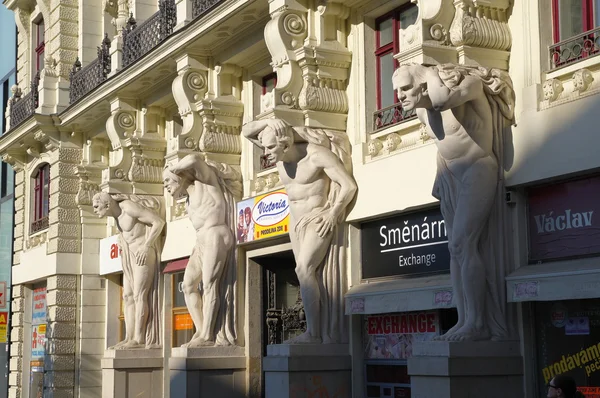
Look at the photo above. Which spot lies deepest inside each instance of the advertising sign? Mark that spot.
(563, 220)
(590, 392)
(408, 244)
(38, 341)
(110, 255)
(3, 326)
(183, 322)
(263, 216)
(39, 306)
(391, 336)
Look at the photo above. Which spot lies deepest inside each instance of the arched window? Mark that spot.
(41, 198)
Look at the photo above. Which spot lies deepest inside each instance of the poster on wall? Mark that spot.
(39, 306)
(563, 220)
(391, 336)
(38, 341)
(3, 327)
(262, 217)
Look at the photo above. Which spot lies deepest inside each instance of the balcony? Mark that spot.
(39, 225)
(24, 107)
(390, 116)
(139, 40)
(575, 48)
(84, 80)
(201, 7)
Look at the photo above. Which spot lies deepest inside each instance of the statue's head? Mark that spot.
(276, 145)
(101, 203)
(173, 183)
(411, 83)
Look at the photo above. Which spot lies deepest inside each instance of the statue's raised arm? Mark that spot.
(453, 90)
(193, 167)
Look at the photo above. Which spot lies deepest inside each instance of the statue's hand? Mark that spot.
(279, 126)
(141, 255)
(326, 223)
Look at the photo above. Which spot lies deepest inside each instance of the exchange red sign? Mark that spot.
(590, 392)
(409, 323)
(564, 220)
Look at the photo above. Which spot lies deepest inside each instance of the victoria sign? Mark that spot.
(563, 220)
(408, 244)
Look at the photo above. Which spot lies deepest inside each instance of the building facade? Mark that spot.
(108, 95)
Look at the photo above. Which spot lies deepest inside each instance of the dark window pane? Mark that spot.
(570, 13)
(386, 32)
(386, 90)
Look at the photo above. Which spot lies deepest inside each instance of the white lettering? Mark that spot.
(567, 220)
(426, 259)
(382, 234)
(412, 233)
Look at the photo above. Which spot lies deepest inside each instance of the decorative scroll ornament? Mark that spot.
(582, 80)
(392, 141)
(483, 26)
(374, 147)
(49, 142)
(553, 88)
(440, 34)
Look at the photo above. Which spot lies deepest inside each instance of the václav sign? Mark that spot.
(408, 244)
(564, 220)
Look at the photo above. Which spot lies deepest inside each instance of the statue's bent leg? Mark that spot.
(193, 298)
(213, 263)
(309, 254)
(128, 312)
(471, 218)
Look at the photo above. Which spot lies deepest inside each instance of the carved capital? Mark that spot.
(49, 140)
(16, 160)
(121, 123)
(87, 187)
(582, 80)
(481, 24)
(553, 88)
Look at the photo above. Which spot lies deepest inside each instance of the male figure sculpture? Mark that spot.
(211, 191)
(465, 111)
(315, 168)
(140, 227)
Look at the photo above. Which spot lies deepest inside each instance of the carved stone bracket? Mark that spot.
(49, 140)
(582, 80)
(87, 187)
(553, 88)
(16, 160)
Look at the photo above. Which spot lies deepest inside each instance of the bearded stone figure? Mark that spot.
(140, 227)
(466, 111)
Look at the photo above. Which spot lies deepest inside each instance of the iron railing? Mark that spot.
(575, 48)
(391, 115)
(24, 107)
(84, 80)
(39, 225)
(201, 7)
(139, 40)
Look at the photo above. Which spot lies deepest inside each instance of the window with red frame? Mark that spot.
(41, 199)
(39, 44)
(268, 83)
(572, 17)
(387, 44)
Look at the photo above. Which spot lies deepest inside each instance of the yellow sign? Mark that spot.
(587, 359)
(3, 335)
(263, 217)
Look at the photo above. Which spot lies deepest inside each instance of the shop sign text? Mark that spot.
(408, 244)
(563, 219)
(408, 323)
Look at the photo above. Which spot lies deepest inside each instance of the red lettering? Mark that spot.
(422, 323)
(431, 323)
(387, 325)
(114, 251)
(372, 325)
(379, 325)
(395, 325)
(412, 324)
(403, 324)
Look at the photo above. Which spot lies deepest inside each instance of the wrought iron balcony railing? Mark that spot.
(139, 40)
(39, 225)
(84, 80)
(391, 115)
(575, 48)
(24, 107)
(201, 7)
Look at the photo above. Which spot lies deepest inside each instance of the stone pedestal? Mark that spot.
(132, 373)
(208, 372)
(466, 369)
(307, 370)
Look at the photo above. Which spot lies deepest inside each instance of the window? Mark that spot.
(573, 22)
(41, 199)
(39, 44)
(183, 326)
(386, 45)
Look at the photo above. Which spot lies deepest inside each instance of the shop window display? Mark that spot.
(183, 326)
(388, 341)
(568, 341)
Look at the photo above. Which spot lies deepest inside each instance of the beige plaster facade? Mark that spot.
(193, 91)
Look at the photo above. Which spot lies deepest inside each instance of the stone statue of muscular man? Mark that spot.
(140, 226)
(316, 170)
(210, 276)
(466, 110)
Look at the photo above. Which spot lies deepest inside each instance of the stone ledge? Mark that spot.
(453, 367)
(208, 352)
(303, 350)
(307, 363)
(207, 363)
(471, 349)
